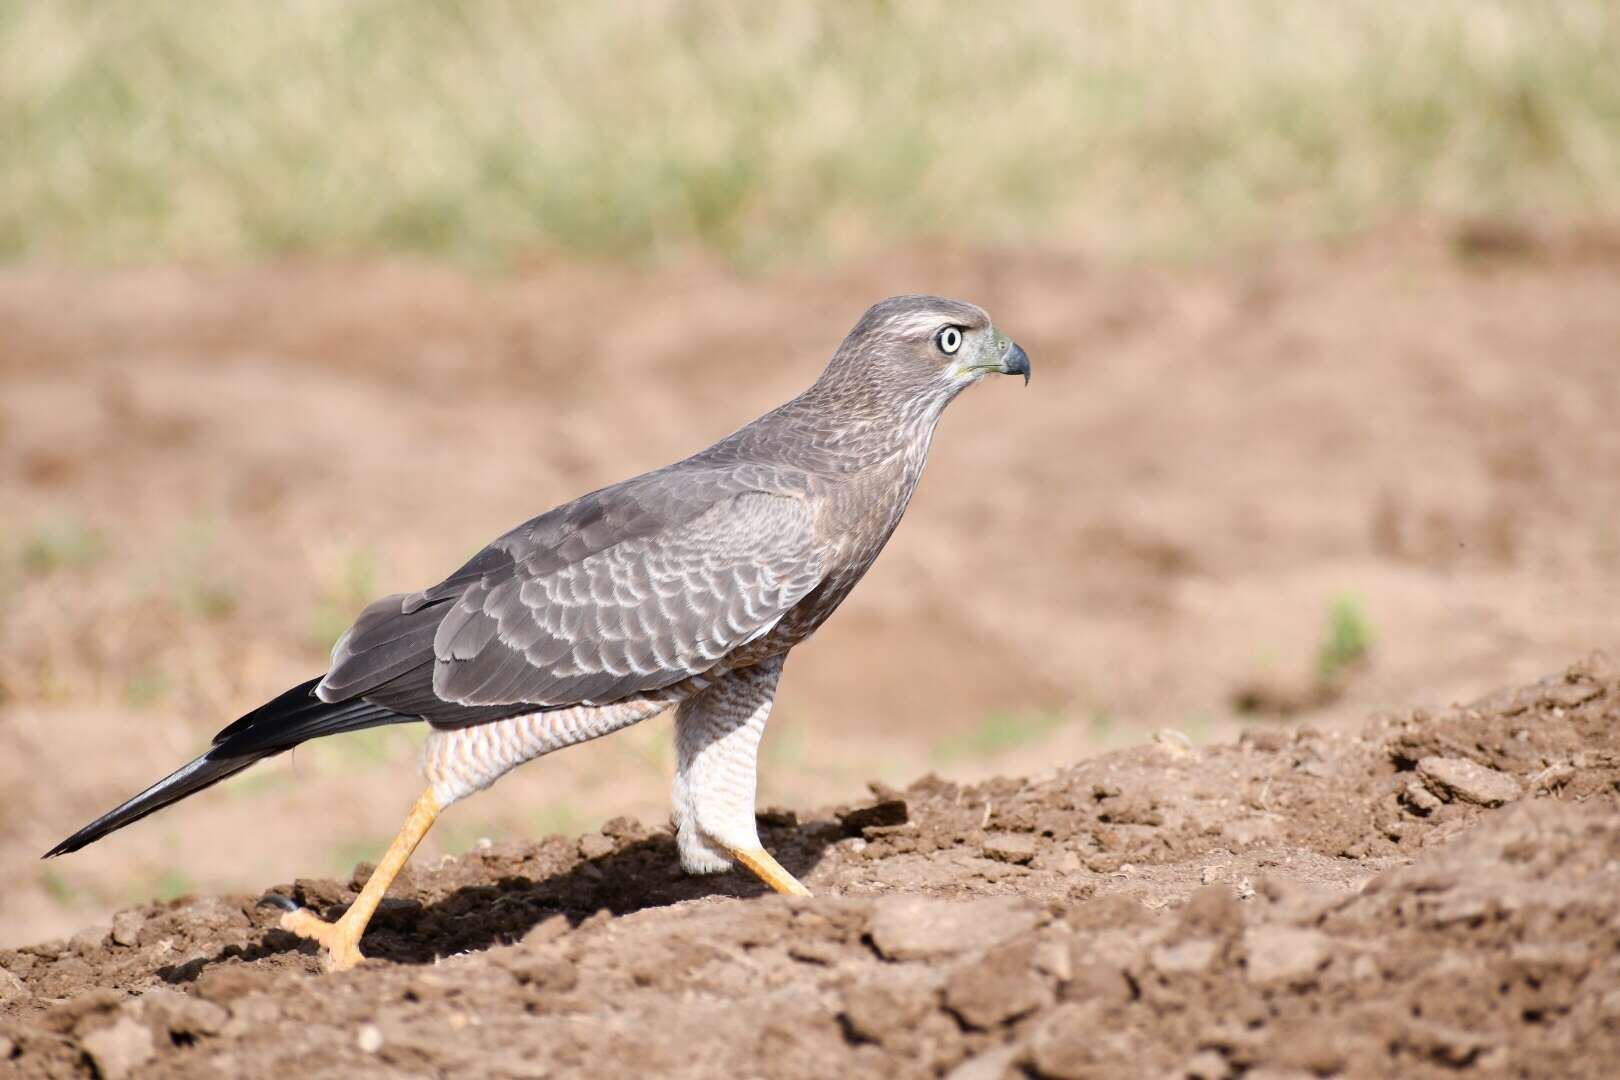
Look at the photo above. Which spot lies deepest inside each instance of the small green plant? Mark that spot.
(1101, 725)
(1348, 639)
(168, 884)
(56, 887)
(61, 545)
(173, 883)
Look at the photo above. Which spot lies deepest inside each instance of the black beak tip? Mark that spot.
(1017, 363)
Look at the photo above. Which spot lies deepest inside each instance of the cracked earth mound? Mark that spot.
(1438, 895)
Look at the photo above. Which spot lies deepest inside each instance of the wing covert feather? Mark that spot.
(641, 614)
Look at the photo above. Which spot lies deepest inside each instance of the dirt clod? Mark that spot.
(998, 988)
(595, 846)
(1419, 799)
(12, 989)
(119, 1050)
(873, 1013)
(1472, 940)
(884, 814)
(1284, 954)
(1460, 778)
(1010, 848)
(923, 928)
(126, 928)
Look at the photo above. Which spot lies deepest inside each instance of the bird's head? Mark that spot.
(925, 347)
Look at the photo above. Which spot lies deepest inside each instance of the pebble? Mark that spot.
(369, 1038)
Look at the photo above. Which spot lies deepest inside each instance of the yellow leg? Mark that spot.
(342, 938)
(768, 870)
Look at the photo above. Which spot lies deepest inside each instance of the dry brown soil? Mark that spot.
(205, 472)
(1207, 459)
(1437, 895)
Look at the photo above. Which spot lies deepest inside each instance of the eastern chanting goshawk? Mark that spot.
(684, 587)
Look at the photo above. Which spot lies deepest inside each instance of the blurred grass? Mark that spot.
(493, 131)
(997, 733)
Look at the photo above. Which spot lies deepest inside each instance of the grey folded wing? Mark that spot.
(619, 593)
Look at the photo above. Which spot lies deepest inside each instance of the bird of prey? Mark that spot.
(681, 588)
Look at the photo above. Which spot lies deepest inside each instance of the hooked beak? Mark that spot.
(1016, 362)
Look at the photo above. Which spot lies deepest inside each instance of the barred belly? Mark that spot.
(458, 762)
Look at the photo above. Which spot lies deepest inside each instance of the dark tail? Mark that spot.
(281, 724)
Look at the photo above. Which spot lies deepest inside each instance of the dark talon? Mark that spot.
(276, 900)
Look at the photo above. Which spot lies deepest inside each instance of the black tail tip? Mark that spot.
(83, 838)
(66, 847)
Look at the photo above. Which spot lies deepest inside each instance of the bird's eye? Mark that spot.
(950, 339)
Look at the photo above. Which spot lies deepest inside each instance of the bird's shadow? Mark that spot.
(640, 874)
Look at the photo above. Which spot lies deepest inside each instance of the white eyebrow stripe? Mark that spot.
(919, 321)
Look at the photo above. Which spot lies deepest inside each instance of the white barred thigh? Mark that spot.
(461, 761)
(717, 735)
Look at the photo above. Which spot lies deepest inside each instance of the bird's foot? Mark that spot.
(340, 940)
(768, 870)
